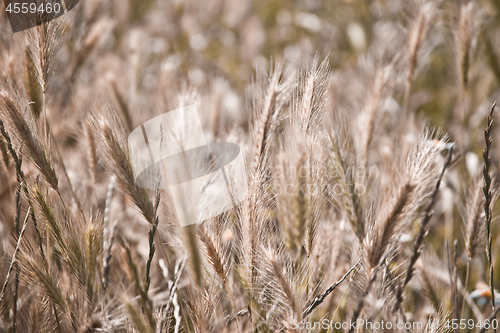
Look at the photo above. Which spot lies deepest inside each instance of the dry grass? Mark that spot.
(358, 206)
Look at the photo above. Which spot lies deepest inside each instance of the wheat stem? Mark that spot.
(232, 303)
(14, 256)
(465, 288)
(18, 215)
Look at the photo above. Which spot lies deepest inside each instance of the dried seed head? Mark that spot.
(24, 130)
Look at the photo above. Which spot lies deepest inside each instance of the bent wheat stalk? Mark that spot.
(320, 298)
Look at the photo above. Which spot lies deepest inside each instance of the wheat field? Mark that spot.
(371, 158)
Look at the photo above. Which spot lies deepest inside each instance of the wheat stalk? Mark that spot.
(14, 256)
(488, 198)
